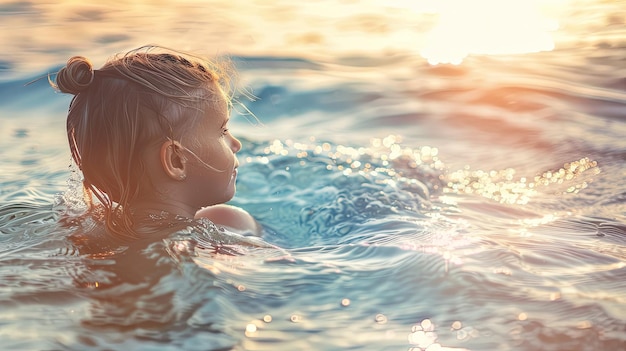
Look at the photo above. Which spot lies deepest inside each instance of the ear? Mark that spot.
(173, 160)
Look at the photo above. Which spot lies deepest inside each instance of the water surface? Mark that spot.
(476, 205)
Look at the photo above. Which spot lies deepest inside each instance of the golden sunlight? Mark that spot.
(488, 27)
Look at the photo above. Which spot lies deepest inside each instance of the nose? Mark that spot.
(235, 144)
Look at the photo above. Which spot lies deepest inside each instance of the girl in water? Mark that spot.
(149, 132)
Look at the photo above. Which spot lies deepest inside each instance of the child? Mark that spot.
(149, 131)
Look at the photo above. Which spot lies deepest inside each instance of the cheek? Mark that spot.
(220, 160)
(224, 156)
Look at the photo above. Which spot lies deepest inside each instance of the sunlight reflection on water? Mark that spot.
(425, 207)
(443, 31)
(487, 27)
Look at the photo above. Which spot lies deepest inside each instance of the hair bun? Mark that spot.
(76, 76)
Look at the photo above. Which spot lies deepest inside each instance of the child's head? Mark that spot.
(148, 131)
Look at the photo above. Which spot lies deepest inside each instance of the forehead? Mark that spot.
(216, 107)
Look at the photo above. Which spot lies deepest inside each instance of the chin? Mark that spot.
(229, 195)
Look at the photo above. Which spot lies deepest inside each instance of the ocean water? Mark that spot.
(438, 175)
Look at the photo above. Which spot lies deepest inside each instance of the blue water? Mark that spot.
(477, 206)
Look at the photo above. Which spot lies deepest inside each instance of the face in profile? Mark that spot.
(213, 172)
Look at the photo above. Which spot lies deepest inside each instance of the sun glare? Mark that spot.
(490, 27)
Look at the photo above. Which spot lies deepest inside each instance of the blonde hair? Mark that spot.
(137, 99)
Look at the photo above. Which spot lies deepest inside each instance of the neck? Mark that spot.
(143, 208)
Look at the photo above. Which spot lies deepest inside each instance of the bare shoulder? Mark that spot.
(231, 217)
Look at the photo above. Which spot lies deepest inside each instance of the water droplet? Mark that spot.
(456, 325)
(251, 328)
(555, 296)
(380, 318)
(427, 325)
(295, 318)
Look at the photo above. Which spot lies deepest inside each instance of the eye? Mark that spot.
(224, 131)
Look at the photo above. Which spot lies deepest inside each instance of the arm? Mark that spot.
(233, 218)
